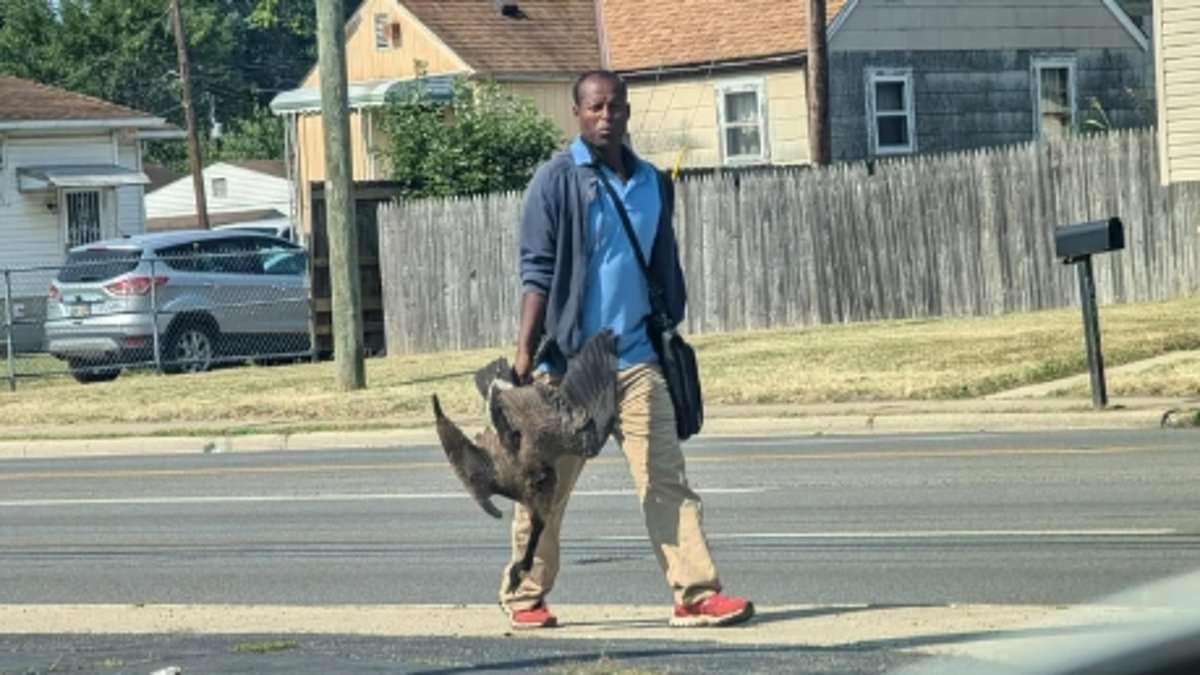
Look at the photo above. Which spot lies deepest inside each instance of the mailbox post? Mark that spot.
(1076, 244)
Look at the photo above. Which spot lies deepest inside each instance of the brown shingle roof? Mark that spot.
(550, 36)
(642, 34)
(25, 100)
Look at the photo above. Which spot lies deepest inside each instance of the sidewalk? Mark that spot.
(1000, 635)
(1020, 411)
(936, 627)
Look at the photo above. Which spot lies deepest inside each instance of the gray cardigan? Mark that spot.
(554, 252)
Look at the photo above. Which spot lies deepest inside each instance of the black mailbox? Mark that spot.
(1075, 244)
(1072, 242)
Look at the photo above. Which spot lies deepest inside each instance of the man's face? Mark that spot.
(603, 113)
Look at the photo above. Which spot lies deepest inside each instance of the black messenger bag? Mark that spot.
(678, 362)
(675, 356)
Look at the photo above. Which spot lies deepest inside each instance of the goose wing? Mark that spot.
(505, 423)
(589, 390)
(531, 410)
(575, 416)
(471, 463)
(487, 375)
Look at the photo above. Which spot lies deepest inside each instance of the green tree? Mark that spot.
(29, 44)
(485, 139)
(257, 136)
(123, 51)
(243, 53)
(279, 43)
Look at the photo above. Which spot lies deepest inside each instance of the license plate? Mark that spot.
(81, 311)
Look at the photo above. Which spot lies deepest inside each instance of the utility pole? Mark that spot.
(344, 274)
(189, 114)
(818, 85)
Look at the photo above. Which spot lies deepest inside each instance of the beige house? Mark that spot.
(713, 83)
(721, 84)
(1177, 64)
(533, 47)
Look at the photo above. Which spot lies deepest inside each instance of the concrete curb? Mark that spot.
(215, 444)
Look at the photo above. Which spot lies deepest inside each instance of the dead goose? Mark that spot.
(532, 426)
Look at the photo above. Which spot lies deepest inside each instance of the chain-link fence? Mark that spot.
(109, 309)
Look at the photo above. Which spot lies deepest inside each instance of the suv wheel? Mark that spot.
(190, 348)
(86, 372)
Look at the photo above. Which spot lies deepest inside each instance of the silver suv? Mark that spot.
(210, 296)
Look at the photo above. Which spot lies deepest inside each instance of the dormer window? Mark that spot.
(387, 32)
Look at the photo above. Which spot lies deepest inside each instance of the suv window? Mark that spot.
(236, 255)
(281, 257)
(98, 264)
(278, 259)
(182, 257)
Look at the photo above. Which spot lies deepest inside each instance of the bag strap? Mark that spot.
(657, 304)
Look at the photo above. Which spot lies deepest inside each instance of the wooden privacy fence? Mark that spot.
(962, 234)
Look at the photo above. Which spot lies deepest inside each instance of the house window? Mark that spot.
(1054, 98)
(83, 217)
(387, 32)
(220, 188)
(742, 113)
(891, 119)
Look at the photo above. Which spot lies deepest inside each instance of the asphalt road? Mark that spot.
(1036, 518)
(1039, 518)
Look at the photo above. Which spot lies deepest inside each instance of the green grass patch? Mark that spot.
(267, 647)
(941, 359)
(603, 666)
(887, 360)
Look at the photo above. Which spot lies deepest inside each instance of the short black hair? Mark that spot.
(609, 75)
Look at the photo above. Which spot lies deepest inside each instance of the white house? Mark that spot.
(70, 173)
(243, 192)
(1177, 58)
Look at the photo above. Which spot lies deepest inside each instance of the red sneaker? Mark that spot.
(538, 616)
(715, 610)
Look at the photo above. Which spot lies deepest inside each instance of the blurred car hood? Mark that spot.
(1152, 629)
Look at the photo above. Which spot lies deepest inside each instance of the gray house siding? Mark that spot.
(970, 99)
(963, 25)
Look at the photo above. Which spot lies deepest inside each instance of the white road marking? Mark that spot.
(243, 499)
(820, 440)
(928, 534)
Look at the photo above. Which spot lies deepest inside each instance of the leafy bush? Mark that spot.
(485, 139)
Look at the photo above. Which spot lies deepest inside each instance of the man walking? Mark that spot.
(579, 276)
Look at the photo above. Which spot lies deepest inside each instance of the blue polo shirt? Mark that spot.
(615, 291)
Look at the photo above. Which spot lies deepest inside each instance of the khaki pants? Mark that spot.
(645, 431)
